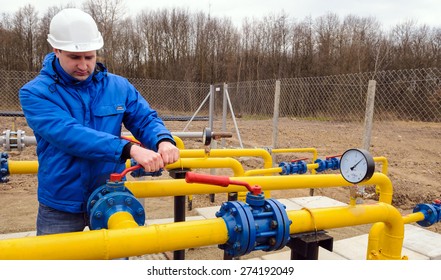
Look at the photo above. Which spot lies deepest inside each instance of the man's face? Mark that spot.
(79, 65)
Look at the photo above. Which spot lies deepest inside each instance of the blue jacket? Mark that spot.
(77, 126)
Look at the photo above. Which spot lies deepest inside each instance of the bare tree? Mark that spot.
(108, 14)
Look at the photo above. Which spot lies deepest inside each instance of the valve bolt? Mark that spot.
(140, 211)
(274, 224)
(128, 201)
(237, 228)
(110, 201)
(272, 241)
(233, 211)
(98, 215)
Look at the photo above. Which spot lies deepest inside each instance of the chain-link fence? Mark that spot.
(404, 95)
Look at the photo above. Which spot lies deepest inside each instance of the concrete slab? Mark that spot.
(289, 204)
(354, 248)
(208, 212)
(171, 220)
(423, 241)
(316, 202)
(17, 235)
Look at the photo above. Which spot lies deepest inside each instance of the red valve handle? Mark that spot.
(116, 177)
(223, 181)
(336, 156)
(299, 159)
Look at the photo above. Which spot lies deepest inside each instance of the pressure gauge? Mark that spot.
(357, 165)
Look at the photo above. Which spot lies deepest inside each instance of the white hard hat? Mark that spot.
(75, 31)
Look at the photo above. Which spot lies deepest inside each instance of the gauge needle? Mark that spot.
(352, 168)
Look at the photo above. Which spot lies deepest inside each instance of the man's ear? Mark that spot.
(57, 52)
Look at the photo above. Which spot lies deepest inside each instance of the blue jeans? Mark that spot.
(51, 221)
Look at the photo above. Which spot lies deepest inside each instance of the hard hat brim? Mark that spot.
(75, 47)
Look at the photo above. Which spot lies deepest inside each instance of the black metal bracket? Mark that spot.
(305, 246)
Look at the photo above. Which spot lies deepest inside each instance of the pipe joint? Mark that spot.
(297, 167)
(432, 213)
(258, 224)
(332, 163)
(110, 199)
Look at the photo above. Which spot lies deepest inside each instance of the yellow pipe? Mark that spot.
(200, 153)
(374, 239)
(208, 163)
(384, 167)
(255, 172)
(135, 241)
(31, 166)
(384, 164)
(179, 143)
(116, 243)
(267, 171)
(121, 220)
(391, 241)
(375, 233)
(22, 167)
(413, 217)
(175, 187)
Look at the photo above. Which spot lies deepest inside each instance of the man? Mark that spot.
(76, 110)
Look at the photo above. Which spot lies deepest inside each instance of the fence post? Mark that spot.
(211, 108)
(369, 115)
(224, 112)
(276, 117)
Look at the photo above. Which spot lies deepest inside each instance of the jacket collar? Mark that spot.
(52, 67)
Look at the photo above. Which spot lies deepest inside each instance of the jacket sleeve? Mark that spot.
(56, 126)
(143, 122)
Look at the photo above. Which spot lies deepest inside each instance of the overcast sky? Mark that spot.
(388, 12)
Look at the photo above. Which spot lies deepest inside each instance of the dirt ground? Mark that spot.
(413, 151)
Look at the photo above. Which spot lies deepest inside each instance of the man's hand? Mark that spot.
(152, 161)
(168, 152)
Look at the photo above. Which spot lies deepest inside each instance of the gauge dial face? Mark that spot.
(356, 165)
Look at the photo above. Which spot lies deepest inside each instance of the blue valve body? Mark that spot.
(112, 198)
(432, 213)
(298, 167)
(332, 163)
(259, 224)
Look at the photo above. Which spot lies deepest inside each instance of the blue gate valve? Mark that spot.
(258, 224)
(332, 163)
(432, 213)
(4, 170)
(294, 167)
(111, 198)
